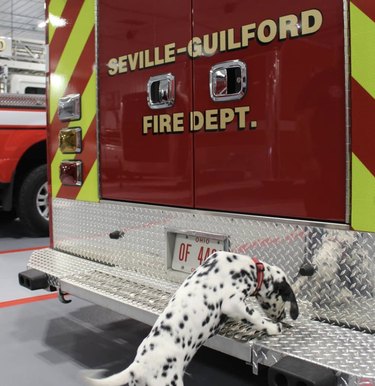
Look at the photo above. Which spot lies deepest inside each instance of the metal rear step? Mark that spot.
(350, 354)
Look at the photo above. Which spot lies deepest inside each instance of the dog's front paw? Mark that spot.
(274, 329)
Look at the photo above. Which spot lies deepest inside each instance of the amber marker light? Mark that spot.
(71, 173)
(70, 140)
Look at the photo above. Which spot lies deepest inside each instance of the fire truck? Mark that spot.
(179, 128)
(23, 171)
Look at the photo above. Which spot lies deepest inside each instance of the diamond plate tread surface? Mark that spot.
(341, 349)
(128, 287)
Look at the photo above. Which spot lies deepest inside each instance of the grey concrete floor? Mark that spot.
(46, 343)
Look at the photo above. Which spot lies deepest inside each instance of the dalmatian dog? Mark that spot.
(214, 292)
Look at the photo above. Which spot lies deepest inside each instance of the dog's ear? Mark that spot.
(287, 294)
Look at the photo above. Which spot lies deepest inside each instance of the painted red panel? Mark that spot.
(293, 164)
(13, 144)
(151, 168)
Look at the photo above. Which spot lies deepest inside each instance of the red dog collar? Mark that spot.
(260, 275)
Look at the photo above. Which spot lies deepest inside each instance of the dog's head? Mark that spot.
(275, 293)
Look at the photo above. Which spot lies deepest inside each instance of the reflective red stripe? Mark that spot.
(33, 299)
(22, 250)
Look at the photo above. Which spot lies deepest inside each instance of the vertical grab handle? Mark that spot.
(228, 81)
(161, 91)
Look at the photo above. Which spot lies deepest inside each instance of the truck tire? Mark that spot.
(32, 204)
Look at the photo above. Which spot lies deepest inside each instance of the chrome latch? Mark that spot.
(161, 91)
(228, 81)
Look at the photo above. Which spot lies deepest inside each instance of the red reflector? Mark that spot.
(71, 173)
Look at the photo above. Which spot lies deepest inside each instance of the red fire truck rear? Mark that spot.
(180, 128)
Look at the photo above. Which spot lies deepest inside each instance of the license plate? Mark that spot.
(191, 251)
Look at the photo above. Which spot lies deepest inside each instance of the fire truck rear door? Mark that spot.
(145, 153)
(279, 150)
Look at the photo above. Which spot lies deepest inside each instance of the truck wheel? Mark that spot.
(33, 202)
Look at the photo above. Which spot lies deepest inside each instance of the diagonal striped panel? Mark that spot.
(72, 66)
(362, 25)
(363, 49)
(71, 53)
(77, 84)
(55, 10)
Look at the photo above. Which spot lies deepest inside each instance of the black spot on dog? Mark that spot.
(186, 318)
(206, 321)
(169, 315)
(181, 325)
(249, 310)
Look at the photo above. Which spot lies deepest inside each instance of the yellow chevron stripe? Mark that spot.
(55, 9)
(363, 197)
(89, 190)
(362, 46)
(71, 54)
(88, 105)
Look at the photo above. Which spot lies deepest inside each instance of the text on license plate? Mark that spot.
(191, 251)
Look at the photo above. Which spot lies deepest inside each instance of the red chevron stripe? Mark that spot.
(88, 157)
(77, 84)
(366, 6)
(363, 118)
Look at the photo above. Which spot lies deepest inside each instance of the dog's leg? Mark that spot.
(236, 308)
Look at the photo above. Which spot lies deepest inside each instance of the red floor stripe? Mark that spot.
(33, 299)
(23, 250)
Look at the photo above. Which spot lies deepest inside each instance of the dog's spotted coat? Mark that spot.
(215, 292)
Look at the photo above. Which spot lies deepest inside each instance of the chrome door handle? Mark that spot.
(228, 81)
(161, 91)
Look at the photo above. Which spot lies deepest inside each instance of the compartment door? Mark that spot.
(280, 150)
(145, 152)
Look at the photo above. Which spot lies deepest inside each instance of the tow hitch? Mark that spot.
(33, 279)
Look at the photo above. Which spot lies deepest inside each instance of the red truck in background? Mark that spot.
(23, 170)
